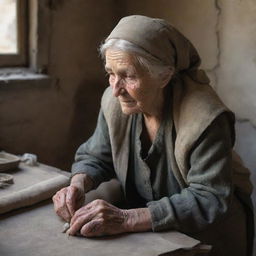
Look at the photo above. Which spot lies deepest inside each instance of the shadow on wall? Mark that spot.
(246, 147)
(86, 108)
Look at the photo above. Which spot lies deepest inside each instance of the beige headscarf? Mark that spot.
(163, 41)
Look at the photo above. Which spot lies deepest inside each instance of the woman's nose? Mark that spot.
(117, 87)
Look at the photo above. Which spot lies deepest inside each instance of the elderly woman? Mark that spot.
(165, 135)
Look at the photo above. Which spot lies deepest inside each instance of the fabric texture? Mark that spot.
(32, 184)
(149, 176)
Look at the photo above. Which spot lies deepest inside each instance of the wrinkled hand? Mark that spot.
(100, 218)
(67, 201)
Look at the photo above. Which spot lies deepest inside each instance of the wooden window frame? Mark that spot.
(20, 58)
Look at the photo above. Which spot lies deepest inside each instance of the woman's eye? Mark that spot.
(130, 77)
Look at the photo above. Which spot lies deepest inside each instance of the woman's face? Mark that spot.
(135, 89)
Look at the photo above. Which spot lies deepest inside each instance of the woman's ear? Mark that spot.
(166, 77)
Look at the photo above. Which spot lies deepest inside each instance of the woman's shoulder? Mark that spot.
(197, 106)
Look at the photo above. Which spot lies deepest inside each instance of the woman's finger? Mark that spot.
(93, 228)
(71, 198)
(81, 212)
(80, 222)
(61, 208)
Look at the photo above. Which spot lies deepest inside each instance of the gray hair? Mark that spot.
(147, 62)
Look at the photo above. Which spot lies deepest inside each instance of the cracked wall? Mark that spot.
(236, 73)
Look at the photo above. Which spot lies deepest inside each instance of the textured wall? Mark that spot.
(237, 63)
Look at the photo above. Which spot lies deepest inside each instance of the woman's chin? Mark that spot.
(129, 110)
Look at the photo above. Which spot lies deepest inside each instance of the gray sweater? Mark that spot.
(193, 180)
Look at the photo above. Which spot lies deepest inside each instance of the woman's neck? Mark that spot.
(152, 123)
(155, 109)
(153, 118)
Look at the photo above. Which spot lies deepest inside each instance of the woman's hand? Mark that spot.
(69, 199)
(100, 218)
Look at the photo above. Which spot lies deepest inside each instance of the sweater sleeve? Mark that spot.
(207, 198)
(94, 157)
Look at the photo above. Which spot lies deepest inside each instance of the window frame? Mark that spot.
(20, 58)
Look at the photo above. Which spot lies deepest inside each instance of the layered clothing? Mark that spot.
(190, 179)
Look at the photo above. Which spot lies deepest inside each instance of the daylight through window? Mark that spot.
(8, 27)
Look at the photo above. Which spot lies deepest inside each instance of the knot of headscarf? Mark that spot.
(163, 41)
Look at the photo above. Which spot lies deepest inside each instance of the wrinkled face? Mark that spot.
(135, 89)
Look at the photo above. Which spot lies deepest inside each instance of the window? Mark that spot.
(13, 33)
(25, 36)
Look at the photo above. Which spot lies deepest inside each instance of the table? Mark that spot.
(35, 230)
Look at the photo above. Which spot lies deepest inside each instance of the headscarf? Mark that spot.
(163, 41)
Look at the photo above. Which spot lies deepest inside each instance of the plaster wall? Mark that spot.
(237, 63)
(196, 19)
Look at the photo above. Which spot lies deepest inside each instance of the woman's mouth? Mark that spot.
(126, 102)
(123, 100)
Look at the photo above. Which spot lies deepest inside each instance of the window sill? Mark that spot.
(12, 78)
